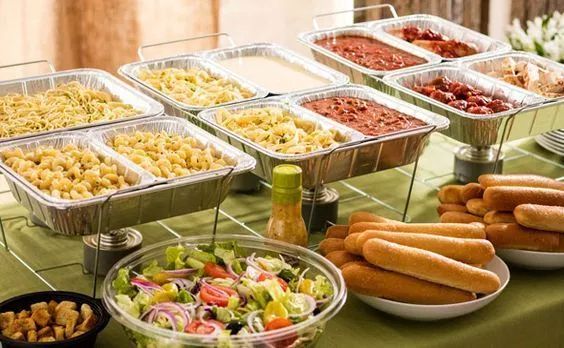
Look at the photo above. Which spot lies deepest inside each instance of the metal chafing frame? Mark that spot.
(218, 211)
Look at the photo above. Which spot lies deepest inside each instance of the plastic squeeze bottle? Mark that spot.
(286, 222)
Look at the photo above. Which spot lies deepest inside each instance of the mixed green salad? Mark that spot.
(215, 290)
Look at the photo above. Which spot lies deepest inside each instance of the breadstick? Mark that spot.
(374, 281)
(470, 251)
(506, 198)
(470, 191)
(498, 217)
(337, 231)
(458, 217)
(444, 207)
(350, 244)
(429, 266)
(513, 236)
(540, 217)
(451, 194)
(489, 180)
(331, 244)
(476, 206)
(340, 257)
(449, 230)
(363, 216)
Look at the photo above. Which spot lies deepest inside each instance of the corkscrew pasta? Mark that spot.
(67, 105)
(194, 86)
(167, 155)
(67, 173)
(278, 130)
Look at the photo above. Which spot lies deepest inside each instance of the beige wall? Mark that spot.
(276, 20)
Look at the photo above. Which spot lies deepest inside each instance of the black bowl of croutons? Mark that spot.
(51, 318)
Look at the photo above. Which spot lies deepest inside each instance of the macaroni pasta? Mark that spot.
(167, 156)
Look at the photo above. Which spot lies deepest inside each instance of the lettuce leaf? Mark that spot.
(130, 307)
(122, 283)
(174, 256)
(152, 269)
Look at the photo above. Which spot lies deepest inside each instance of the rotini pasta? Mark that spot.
(67, 105)
(67, 173)
(165, 155)
(194, 86)
(278, 130)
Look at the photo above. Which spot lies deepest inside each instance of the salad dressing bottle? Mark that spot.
(286, 222)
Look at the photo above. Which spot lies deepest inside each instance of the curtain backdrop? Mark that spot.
(100, 34)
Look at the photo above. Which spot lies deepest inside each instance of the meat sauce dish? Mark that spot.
(462, 96)
(435, 42)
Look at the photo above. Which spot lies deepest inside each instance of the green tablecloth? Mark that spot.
(530, 312)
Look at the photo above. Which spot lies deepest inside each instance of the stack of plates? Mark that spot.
(552, 141)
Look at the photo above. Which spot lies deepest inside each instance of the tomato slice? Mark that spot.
(217, 295)
(278, 323)
(216, 271)
(265, 276)
(203, 327)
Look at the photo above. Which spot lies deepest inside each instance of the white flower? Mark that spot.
(544, 36)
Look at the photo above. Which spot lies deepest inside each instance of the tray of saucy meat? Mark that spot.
(449, 40)
(188, 84)
(275, 68)
(476, 105)
(382, 147)
(364, 54)
(68, 100)
(147, 169)
(530, 72)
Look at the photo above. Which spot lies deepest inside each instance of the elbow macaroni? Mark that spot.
(68, 173)
(167, 156)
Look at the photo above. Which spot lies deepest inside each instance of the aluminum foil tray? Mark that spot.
(358, 73)
(272, 50)
(151, 200)
(177, 126)
(360, 155)
(489, 64)
(172, 106)
(478, 130)
(485, 44)
(91, 78)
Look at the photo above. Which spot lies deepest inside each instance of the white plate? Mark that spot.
(439, 312)
(543, 143)
(537, 260)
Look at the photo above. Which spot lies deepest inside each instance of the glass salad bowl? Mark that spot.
(239, 291)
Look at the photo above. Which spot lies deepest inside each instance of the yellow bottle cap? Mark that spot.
(287, 176)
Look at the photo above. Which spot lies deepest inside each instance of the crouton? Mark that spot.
(6, 319)
(52, 306)
(38, 305)
(59, 333)
(26, 324)
(41, 317)
(76, 334)
(32, 336)
(45, 332)
(23, 314)
(85, 311)
(69, 327)
(65, 305)
(47, 339)
(18, 336)
(87, 324)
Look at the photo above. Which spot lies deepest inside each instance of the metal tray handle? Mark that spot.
(51, 67)
(391, 8)
(226, 35)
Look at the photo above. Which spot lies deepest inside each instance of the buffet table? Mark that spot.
(528, 313)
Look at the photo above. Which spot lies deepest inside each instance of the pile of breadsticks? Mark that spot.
(521, 211)
(419, 263)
